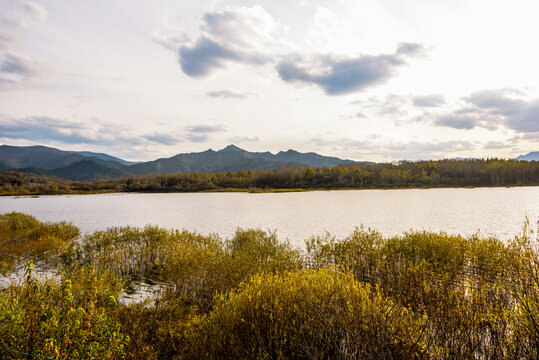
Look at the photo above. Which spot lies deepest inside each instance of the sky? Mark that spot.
(376, 80)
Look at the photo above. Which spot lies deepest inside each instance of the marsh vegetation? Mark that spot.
(420, 295)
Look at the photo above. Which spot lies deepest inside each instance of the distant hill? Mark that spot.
(41, 157)
(84, 170)
(106, 157)
(47, 158)
(89, 166)
(532, 156)
(4, 166)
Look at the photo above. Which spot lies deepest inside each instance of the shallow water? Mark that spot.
(298, 215)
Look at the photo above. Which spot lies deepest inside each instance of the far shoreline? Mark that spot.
(266, 191)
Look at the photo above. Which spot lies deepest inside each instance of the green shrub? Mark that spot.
(525, 287)
(41, 318)
(23, 237)
(193, 268)
(139, 254)
(461, 284)
(91, 284)
(199, 273)
(314, 314)
(157, 331)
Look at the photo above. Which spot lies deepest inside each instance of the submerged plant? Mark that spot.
(23, 237)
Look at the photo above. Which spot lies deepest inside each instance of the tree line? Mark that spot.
(440, 173)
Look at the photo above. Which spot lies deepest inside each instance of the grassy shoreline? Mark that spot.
(261, 190)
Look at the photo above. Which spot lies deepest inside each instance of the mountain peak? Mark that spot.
(232, 147)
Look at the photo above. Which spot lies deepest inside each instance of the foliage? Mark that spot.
(91, 284)
(309, 314)
(193, 266)
(417, 295)
(41, 318)
(158, 331)
(525, 249)
(463, 285)
(23, 237)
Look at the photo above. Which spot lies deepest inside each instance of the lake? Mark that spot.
(297, 215)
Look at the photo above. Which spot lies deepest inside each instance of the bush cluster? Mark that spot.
(420, 295)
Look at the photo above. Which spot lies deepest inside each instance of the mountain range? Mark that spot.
(89, 166)
(532, 156)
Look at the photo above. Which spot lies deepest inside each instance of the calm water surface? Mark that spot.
(297, 216)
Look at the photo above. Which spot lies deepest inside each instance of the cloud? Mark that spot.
(229, 94)
(520, 115)
(206, 129)
(46, 129)
(245, 27)
(428, 100)
(339, 75)
(197, 138)
(201, 133)
(10, 21)
(207, 55)
(493, 108)
(17, 71)
(530, 136)
(495, 100)
(360, 115)
(494, 145)
(235, 34)
(171, 33)
(410, 49)
(6, 84)
(243, 139)
(393, 106)
(344, 143)
(36, 11)
(430, 150)
(250, 35)
(456, 121)
(163, 138)
(526, 120)
(372, 147)
(43, 128)
(7, 40)
(18, 64)
(171, 42)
